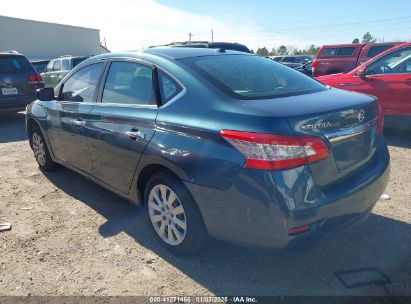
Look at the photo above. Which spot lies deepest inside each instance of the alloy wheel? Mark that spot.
(39, 149)
(167, 215)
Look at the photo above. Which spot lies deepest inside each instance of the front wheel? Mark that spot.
(173, 215)
(40, 150)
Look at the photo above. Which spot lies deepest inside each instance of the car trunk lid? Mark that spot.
(345, 121)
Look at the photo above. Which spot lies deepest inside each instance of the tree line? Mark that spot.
(311, 50)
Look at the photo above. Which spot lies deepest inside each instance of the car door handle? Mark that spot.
(135, 135)
(78, 122)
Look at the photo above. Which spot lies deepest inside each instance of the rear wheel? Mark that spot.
(40, 150)
(173, 215)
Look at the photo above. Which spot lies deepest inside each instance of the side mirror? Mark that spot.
(362, 72)
(45, 94)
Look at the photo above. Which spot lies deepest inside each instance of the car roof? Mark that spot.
(173, 53)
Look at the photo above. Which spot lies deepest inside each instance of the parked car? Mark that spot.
(342, 58)
(293, 60)
(58, 68)
(305, 68)
(216, 143)
(40, 65)
(386, 76)
(18, 81)
(206, 44)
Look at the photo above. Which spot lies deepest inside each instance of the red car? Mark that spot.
(342, 58)
(386, 76)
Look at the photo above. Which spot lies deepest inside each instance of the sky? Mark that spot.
(136, 24)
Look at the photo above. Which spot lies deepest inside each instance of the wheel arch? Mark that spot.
(147, 172)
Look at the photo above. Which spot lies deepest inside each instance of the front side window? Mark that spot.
(129, 83)
(397, 62)
(169, 88)
(82, 85)
(252, 77)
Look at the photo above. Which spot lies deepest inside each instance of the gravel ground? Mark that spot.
(72, 237)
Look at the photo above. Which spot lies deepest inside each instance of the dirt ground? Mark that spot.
(72, 237)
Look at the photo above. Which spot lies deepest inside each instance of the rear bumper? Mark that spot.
(259, 208)
(16, 102)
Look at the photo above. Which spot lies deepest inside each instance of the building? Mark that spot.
(44, 40)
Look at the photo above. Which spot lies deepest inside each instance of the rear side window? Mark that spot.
(375, 50)
(82, 85)
(346, 51)
(169, 88)
(252, 77)
(343, 51)
(129, 83)
(14, 64)
(330, 52)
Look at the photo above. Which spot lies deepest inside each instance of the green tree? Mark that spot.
(356, 40)
(273, 52)
(262, 52)
(368, 38)
(282, 50)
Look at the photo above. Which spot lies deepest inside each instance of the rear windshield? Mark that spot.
(14, 64)
(252, 77)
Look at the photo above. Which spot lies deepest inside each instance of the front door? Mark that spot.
(122, 123)
(389, 78)
(68, 117)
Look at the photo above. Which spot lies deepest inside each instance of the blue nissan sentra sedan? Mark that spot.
(216, 143)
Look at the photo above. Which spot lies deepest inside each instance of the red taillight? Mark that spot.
(380, 120)
(299, 230)
(276, 152)
(315, 63)
(32, 79)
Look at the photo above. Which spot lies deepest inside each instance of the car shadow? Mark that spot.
(12, 127)
(226, 269)
(397, 137)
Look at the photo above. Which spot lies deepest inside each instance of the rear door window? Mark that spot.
(57, 65)
(288, 59)
(14, 64)
(65, 64)
(129, 83)
(82, 85)
(328, 52)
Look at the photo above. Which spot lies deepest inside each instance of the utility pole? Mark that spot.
(212, 35)
(189, 36)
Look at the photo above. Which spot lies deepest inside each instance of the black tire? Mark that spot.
(196, 236)
(36, 137)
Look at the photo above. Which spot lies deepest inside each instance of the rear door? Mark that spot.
(68, 118)
(123, 121)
